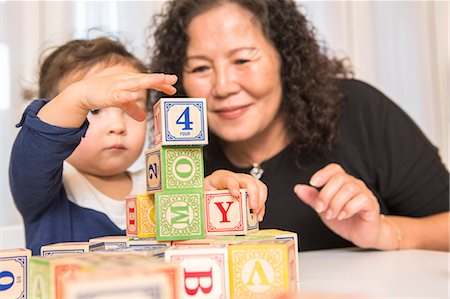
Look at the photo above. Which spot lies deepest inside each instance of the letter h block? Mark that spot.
(179, 216)
(180, 121)
(262, 269)
(204, 270)
(140, 215)
(227, 215)
(172, 168)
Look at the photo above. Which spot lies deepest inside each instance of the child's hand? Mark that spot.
(122, 90)
(257, 190)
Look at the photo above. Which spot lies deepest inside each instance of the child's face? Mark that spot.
(113, 141)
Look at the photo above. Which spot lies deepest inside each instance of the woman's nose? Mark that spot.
(225, 82)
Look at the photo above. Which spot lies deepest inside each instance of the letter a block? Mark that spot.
(174, 168)
(180, 121)
(204, 270)
(140, 215)
(179, 216)
(14, 272)
(262, 269)
(227, 215)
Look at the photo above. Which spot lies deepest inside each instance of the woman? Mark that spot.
(335, 153)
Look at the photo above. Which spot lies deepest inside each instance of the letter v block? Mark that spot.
(179, 216)
(174, 168)
(140, 215)
(227, 215)
(263, 269)
(180, 121)
(204, 270)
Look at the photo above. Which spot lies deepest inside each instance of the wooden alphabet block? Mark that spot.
(263, 269)
(179, 216)
(148, 242)
(174, 168)
(138, 277)
(140, 215)
(14, 265)
(112, 242)
(226, 215)
(47, 273)
(204, 270)
(66, 248)
(278, 234)
(180, 121)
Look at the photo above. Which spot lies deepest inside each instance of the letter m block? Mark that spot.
(179, 216)
(263, 269)
(204, 270)
(226, 215)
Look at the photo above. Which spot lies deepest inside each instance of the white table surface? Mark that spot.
(342, 273)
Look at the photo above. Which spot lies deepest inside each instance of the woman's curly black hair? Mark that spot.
(311, 97)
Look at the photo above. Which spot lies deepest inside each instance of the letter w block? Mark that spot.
(227, 215)
(204, 270)
(179, 216)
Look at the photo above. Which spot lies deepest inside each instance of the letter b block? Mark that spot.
(180, 121)
(226, 215)
(174, 168)
(263, 269)
(179, 216)
(140, 215)
(204, 270)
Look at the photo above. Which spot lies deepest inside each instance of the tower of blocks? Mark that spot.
(175, 206)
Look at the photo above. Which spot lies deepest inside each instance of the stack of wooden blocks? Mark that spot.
(217, 248)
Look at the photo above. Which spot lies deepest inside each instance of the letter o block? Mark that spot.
(226, 215)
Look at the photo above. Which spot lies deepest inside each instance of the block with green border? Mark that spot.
(173, 168)
(179, 215)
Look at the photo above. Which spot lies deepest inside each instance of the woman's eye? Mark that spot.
(199, 69)
(241, 61)
(95, 111)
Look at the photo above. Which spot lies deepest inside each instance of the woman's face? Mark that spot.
(233, 65)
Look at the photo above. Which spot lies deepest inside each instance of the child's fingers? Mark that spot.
(160, 82)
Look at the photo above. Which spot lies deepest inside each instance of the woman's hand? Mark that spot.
(257, 190)
(345, 205)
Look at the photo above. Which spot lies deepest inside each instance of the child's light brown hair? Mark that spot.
(81, 55)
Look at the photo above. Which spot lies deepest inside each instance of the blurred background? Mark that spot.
(400, 47)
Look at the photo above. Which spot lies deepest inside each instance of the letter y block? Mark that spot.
(227, 215)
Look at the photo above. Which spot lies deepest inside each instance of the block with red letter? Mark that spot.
(174, 168)
(14, 272)
(262, 269)
(140, 215)
(180, 121)
(204, 270)
(227, 215)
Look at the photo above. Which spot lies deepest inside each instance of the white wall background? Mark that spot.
(401, 47)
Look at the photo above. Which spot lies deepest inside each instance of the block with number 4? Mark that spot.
(140, 215)
(180, 121)
(179, 216)
(172, 168)
(262, 269)
(204, 270)
(14, 272)
(227, 215)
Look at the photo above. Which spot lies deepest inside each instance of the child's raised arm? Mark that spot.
(225, 179)
(70, 108)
